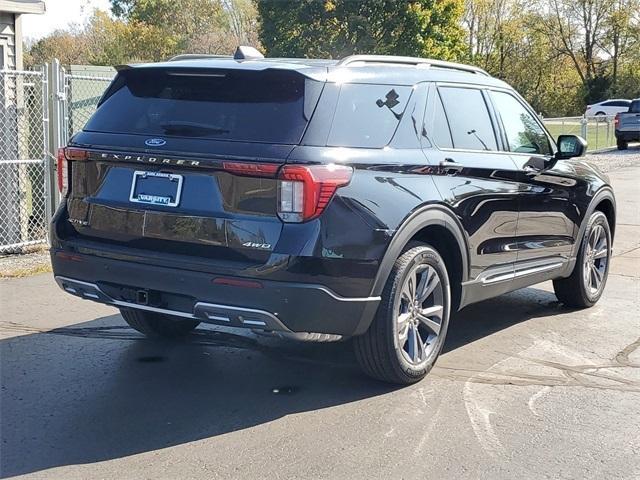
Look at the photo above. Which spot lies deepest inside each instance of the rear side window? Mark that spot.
(367, 115)
(266, 106)
(469, 119)
(616, 103)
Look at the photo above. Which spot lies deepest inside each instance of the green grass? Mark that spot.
(599, 135)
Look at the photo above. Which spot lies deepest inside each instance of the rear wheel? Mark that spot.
(622, 145)
(157, 325)
(585, 285)
(408, 331)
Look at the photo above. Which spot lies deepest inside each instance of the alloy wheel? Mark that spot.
(420, 313)
(596, 259)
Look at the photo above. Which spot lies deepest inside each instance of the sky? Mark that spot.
(60, 14)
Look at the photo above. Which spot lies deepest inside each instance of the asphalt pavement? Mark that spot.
(525, 389)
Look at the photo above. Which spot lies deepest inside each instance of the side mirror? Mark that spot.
(570, 146)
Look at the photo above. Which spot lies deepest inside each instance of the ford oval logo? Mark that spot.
(155, 142)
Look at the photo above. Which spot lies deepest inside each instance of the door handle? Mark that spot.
(450, 166)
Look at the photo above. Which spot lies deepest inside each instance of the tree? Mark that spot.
(621, 34)
(122, 8)
(243, 21)
(195, 26)
(112, 42)
(576, 29)
(70, 47)
(336, 28)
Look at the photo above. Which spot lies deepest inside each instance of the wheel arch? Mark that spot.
(438, 226)
(603, 201)
(607, 206)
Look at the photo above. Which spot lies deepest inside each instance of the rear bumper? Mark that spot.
(628, 136)
(268, 305)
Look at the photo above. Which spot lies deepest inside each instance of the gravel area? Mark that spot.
(22, 265)
(613, 159)
(38, 261)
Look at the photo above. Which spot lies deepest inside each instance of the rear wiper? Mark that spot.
(192, 129)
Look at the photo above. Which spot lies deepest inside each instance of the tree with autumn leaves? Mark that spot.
(337, 28)
(560, 54)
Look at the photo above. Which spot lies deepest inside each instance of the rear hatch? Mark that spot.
(184, 160)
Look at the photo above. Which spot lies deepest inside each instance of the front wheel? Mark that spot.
(585, 285)
(408, 332)
(157, 325)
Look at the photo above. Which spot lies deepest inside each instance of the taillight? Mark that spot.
(305, 190)
(64, 156)
(616, 121)
(63, 173)
(251, 169)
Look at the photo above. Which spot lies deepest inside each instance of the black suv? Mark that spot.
(369, 197)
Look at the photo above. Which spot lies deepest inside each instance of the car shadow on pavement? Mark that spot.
(98, 391)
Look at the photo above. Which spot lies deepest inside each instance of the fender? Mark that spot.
(604, 193)
(423, 217)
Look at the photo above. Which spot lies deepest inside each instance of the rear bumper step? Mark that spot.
(202, 311)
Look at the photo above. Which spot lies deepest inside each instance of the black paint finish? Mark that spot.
(506, 218)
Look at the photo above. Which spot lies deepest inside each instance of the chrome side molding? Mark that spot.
(499, 274)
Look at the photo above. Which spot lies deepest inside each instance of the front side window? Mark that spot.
(441, 135)
(524, 133)
(367, 115)
(469, 119)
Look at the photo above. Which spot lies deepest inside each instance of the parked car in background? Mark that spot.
(607, 107)
(628, 125)
(368, 197)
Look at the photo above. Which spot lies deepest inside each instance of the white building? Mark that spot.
(11, 12)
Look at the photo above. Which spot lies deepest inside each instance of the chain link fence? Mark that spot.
(24, 180)
(599, 132)
(82, 92)
(39, 111)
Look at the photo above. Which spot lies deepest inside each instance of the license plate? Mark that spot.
(156, 188)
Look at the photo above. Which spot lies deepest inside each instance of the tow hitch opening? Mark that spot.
(142, 297)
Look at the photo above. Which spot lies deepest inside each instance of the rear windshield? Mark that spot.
(267, 106)
(635, 107)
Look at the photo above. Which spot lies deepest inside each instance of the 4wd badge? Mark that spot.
(263, 246)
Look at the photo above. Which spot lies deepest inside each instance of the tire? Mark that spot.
(622, 145)
(384, 352)
(157, 325)
(577, 290)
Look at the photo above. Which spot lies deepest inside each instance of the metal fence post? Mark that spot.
(49, 163)
(583, 127)
(56, 124)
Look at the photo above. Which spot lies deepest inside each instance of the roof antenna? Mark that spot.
(247, 53)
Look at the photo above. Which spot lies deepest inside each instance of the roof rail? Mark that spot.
(391, 59)
(196, 56)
